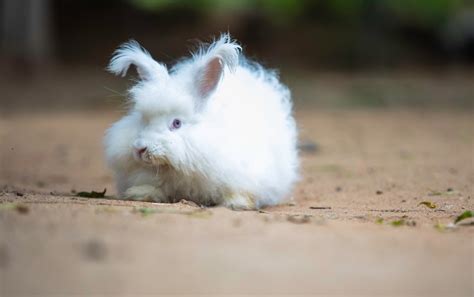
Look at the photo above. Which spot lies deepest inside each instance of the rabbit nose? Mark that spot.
(141, 151)
(140, 148)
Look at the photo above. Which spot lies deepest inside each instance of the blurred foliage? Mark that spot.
(282, 8)
(425, 13)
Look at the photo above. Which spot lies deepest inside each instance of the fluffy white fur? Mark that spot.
(237, 142)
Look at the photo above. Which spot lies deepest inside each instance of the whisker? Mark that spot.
(115, 92)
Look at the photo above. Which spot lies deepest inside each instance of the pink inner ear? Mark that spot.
(210, 77)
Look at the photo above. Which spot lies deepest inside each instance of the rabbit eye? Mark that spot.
(176, 124)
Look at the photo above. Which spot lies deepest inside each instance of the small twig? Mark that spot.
(392, 210)
(320, 207)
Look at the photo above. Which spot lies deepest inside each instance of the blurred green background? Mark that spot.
(332, 53)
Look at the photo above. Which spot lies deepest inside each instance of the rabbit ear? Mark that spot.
(132, 53)
(211, 64)
(209, 76)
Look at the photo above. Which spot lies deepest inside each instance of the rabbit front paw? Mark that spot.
(144, 193)
(238, 201)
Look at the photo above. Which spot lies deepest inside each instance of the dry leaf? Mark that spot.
(92, 194)
(428, 204)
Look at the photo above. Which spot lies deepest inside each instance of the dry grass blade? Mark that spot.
(465, 215)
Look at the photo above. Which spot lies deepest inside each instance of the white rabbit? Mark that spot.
(215, 129)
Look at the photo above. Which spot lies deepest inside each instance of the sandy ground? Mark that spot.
(329, 239)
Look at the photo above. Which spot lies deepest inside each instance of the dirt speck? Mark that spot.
(95, 250)
(308, 146)
(299, 219)
(237, 222)
(22, 208)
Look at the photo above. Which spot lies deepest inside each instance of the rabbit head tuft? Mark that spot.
(133, 53)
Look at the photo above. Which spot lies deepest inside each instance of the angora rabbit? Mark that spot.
(214, 129)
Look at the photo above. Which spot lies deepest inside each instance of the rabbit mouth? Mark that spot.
(150, 159)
